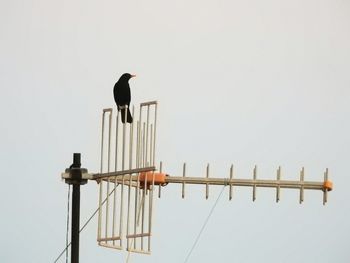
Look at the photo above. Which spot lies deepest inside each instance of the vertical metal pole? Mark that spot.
(75, 212)
(75, 223)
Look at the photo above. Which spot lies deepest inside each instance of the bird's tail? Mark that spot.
(128, 116)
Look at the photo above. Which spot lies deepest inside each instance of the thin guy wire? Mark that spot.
(82, 228)
(204, 225)
(67, 233)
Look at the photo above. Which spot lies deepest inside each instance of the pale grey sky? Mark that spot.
(242, 82)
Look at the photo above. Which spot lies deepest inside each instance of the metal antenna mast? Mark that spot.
(128, 179)
(75, 173)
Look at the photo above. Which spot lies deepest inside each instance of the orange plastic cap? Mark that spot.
(147, 177)
(328, 185)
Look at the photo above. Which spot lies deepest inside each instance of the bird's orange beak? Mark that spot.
(133, 76)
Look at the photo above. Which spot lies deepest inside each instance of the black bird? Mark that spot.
(122, 95)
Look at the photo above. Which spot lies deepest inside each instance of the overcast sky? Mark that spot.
(241, 82)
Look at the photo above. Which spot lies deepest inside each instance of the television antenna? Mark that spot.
(129, 178)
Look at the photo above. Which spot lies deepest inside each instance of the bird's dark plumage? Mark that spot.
(122, 96)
